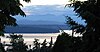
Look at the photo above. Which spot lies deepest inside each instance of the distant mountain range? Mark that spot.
(43, 19)
(39, 22)
(36, 28)
(43, 14)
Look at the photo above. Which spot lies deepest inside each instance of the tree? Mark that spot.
(63, 43)
(89, 11)
(36, 47)
(8, 9)
(17, 43)
(90, 41)
(44, 46)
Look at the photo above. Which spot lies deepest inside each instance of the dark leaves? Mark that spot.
(79, 28)
(9, 8)
(27, 1)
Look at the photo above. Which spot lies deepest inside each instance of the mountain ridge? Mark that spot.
(39, 22)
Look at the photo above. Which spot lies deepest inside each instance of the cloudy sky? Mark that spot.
(46, 10)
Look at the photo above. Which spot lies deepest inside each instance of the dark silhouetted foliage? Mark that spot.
(8, 9)
(90, 40)
(89, 11)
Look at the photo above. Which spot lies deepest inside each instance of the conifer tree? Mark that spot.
(89, 11)
(90, 41)
(8, 9)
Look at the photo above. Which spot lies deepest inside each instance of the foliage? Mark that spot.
(61, 45)
(8, 9)
(90, 41)
(75, 26)
(66, 43)
(17, 43)
(2, 48)
(89, 11)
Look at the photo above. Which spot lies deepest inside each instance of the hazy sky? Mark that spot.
(46, 2)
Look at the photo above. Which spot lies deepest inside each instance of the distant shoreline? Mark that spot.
(29, 38)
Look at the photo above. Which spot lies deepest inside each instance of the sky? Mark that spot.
(46, 11)
(46, 2)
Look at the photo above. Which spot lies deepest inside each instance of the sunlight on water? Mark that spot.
(29, 38)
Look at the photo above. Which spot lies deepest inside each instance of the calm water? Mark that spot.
(29, 37)
(36, 28)
(30, 32)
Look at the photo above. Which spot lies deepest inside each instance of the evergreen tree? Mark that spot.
(89, 11)
(37, 45)
(90, 41)
(18, 44)
(63, 43)
(44, 46)
(8, 9)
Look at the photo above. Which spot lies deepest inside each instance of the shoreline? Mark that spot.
(29, 38)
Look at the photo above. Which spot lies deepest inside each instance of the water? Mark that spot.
(30, 32)
(36, 29)
(29, 37)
